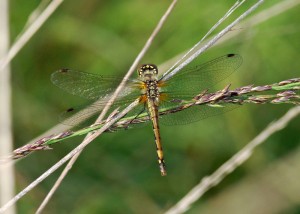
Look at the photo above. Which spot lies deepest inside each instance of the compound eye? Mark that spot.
(150, 67)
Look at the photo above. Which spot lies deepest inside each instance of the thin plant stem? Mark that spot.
(29, 32)
(264, 15)
(212, 41)
(58, 182)
(236, 5)
(7, 177)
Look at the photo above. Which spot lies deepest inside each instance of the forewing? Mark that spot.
(86, 85)
(192, 80)
(94, 87)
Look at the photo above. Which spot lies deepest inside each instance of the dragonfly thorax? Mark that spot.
(152, 90)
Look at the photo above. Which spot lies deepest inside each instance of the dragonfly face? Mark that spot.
(148, 72)
(155, 94)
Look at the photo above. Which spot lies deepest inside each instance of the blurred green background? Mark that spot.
(118, 172)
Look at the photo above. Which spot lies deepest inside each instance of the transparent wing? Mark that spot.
(195, 113)
(94, 87)
(86, 85)
(88, 114)
(192, 80)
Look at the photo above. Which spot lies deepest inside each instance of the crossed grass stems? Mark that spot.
(283, 92)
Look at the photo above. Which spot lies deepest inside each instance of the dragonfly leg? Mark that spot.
(136, 116)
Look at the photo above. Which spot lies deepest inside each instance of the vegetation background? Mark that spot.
(118, 172)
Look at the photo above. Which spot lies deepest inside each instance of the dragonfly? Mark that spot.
(154, 93)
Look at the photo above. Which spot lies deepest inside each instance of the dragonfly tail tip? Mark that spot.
(162, 168)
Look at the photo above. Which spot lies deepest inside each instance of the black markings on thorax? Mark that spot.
(152, 91)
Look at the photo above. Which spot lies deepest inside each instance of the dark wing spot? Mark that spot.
(70, 110)
(64, 70)
(230, 55)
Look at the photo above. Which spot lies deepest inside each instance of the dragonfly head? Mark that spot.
(148, 72)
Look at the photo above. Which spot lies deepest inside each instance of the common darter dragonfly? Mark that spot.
(153, 92)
